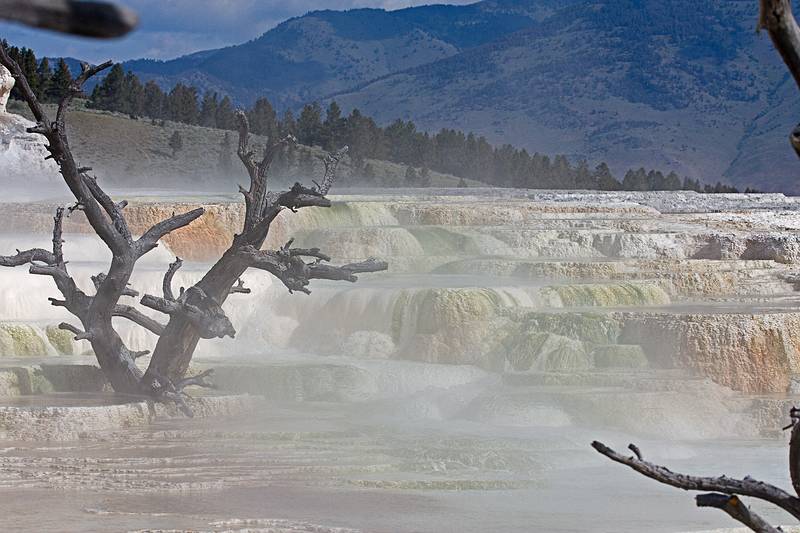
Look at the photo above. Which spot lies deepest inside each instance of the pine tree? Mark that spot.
(60, 82)
(109, 94)
(182, 104)
(672, 182)
(134, 96)
(333, 128)
(154, 100)
(44, 76)
(288, 125)
(603, 179)
(263, 120)
(208, 110)
(226, 116)
(309, 125)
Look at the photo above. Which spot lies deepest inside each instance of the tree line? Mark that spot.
(449, 151)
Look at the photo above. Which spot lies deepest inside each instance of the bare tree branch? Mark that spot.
(239, 288)
(113, 210)
(150, 239)
(166, 285)
(288, 266)
(776, 17)
(76, 88)
(741, 487)
(205, 314)
(197, 381)
(137, 317)
(331, 162)
(737, 510)
(98, 279)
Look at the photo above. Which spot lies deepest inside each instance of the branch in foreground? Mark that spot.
(205, 314)
(288, 266)
(166, 285)
(737, 510)
(150, 239)
(741, 487)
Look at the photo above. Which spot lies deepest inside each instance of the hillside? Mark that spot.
(323, 52)
(634, 82)
(129, 153)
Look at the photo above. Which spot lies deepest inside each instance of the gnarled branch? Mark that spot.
(737, 510)
(205, 314)
(150, 239)
(137, 317)
(166, 285)
(288, 266)
(331, 162)
(741, 487)
(98, 279)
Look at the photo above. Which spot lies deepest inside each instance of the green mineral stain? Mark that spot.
(21, 340)
(61, 340)
(620, 356)
(610, 294)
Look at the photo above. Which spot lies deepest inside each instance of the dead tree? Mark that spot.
(194, 313)
(723, 492)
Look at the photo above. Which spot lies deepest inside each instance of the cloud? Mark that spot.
(176, 27)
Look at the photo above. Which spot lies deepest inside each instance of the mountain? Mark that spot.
(676, 85)
(323, 52)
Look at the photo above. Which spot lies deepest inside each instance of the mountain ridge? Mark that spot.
(634, 82)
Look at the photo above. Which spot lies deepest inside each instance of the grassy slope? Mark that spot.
(135, 153)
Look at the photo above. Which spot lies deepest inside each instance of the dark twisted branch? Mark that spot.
(731, 486)
(113, 210)
(331, 162)
(166, 285)
(205, 314)
(137, 317)
(239, 288)
(79, 333)
(256, 196)
(98, 279)
(76, 88)
(27, 256)
(150, 239)
(288, 266)
(776, 17)
(737, 510)
(197, 381)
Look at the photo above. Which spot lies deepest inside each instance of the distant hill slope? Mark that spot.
(679, 85)
(308, 57)
(674, 85)
(131, 154)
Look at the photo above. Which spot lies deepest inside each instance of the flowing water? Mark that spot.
(457, 392)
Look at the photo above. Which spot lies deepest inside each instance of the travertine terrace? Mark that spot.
(510, 325)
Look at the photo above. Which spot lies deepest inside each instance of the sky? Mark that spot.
(171, 28)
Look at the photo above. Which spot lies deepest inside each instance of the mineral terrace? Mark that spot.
(466, 382)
